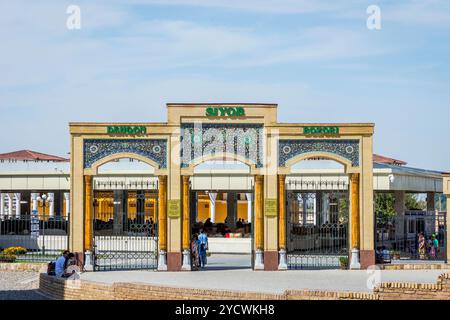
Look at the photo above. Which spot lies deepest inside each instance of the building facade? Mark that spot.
(133, 195)
(246, 133)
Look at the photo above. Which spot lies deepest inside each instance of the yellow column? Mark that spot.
(186, 213)
(282, 260)
(259, 219)
(355, 210)
(88, 202)
(162, 223)
(355, 220)
(162, 213)
(447, 227)
(186, 266)
(281, 212)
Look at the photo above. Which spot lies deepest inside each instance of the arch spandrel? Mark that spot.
(100, 151)
(346, 152)
(93, 170)
(219, 157)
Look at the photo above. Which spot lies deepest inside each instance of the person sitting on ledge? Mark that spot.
(60, 265)
(64, 263)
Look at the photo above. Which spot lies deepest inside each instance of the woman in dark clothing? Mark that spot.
(194, 253)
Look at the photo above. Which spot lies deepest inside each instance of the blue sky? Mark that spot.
(316, 59)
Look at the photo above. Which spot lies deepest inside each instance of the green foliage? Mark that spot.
(343, 210)
(384, 207)
(15, 251)
(7, 257)
(412, 202)
(344, 262)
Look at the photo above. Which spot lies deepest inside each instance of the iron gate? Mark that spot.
(317, 228)
(125, 235)
(399, 235)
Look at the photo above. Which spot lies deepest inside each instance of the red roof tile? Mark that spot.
(382, 159)
(30, 155)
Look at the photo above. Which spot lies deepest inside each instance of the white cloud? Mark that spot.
(267, 6)
(123, 66)
(419, 12)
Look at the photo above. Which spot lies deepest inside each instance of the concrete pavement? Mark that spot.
(233, 272)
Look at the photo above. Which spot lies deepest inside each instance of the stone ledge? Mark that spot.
(36, 267)
(424, 266)
(58, 288)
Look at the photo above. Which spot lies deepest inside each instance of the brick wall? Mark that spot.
(37, 267)
(58, 288)
(407, 266)
(418, 291)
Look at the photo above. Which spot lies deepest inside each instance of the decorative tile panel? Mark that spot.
(153, 149)
(244, 140)
(348, 149)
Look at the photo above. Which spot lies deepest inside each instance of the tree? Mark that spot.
(384, 207)
(412, 202)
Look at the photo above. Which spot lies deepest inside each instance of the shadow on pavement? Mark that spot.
(31, 294)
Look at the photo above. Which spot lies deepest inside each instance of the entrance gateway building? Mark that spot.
(262, 200)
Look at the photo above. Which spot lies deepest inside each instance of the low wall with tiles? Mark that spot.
(408, 266)
(58, 288)
(415, 291)
(21, 267)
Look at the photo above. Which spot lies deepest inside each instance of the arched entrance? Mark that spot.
(123, 190)
(221, 193)
(125, 215)
(323, 221)
(317, 222)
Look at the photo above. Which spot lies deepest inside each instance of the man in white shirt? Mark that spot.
(60, 264)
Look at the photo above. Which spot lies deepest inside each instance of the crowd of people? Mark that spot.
(221, 229)
(428, 248)
(425, 248)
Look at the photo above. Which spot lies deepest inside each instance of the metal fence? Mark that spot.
(400, 237)
(317, 229)
(43, 236)
(125, 230)
(135, 247)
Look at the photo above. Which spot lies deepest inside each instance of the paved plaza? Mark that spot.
(19, 286)
(233, 272)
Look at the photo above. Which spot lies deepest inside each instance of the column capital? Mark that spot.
(354, 177)
(186, 179)
(162, 179)
(88, 179)
(259, 178)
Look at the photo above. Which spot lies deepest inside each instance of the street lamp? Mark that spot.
(44, 198)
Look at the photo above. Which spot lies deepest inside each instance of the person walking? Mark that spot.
(422, 247)
(435, 245)
(203, 246)
(195, 253)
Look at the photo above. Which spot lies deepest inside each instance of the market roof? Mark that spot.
(406, 170)
(31, 156)
(382, 159)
